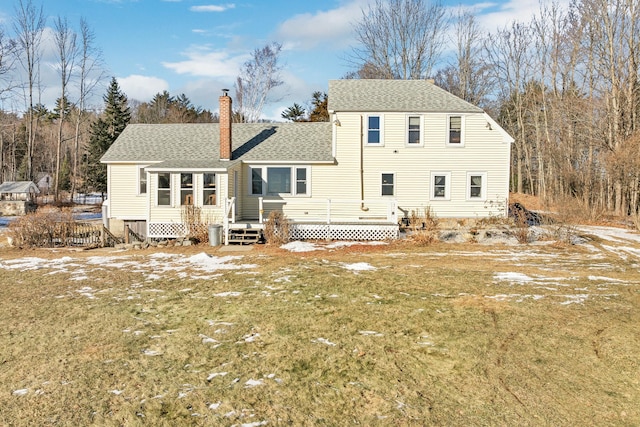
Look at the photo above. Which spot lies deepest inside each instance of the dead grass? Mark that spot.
(430, 335)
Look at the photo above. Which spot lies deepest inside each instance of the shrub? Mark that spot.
(197, 225)
(424, 227)
(276, 228)
(47, 227)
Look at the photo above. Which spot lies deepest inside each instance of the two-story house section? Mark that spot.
(390, 147)
(420, 145)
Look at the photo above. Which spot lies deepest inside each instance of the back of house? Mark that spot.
(391, 149)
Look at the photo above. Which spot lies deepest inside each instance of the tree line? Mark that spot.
(564, 84)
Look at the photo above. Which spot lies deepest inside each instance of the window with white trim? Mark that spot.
(186, 189)
(388, 184)
(301, 180)
(374, 130)
(454, 134)
(209, 189)
(279, 180)
(476, 185)
(414, 131)
(257, 184)
(164, 189)
(142, 180)
(440, 185)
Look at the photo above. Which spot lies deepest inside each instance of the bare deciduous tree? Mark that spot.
(258, 77)
(400, 39)
(67, 52)
(469, 75)
(29, 26)
(90, 73)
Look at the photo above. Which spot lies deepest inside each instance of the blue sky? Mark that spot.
(197, 47)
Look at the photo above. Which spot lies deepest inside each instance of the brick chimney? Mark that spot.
(225, 125)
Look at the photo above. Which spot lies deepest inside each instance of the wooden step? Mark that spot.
(244, 236)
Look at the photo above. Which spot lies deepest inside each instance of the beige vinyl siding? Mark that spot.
(124, 200)
(173, 213)
(484, 152)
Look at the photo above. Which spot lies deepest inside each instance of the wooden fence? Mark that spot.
(68, 234)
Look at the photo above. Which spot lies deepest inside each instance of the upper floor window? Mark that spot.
(413, 130)
(164, 189)
(186, 189)
(454, 136)
(209, 189)
(374, 130)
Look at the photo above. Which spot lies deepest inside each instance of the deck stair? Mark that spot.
(244, 236)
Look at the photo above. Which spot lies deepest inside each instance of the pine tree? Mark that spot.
(104, 132)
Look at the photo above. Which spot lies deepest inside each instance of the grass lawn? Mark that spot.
(391, 334)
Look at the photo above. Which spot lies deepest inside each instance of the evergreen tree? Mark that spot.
(104, 132)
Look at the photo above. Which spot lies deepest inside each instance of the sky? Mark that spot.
(197, 47)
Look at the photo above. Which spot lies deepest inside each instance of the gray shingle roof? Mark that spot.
(18, 187)
(198, 145)
(394, 95)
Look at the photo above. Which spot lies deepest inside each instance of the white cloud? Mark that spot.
(142, 88)
(492, 16)
(332, 27)
(203, 62)
(212, 8)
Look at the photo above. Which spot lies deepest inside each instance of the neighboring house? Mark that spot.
(17, 197)
(44, 182)
(392, 147)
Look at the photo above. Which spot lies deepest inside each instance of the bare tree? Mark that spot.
(7, 61)
(400, 39)
(67, 52)
(90, 73)
(258, 77)
(469, 75)
(29, 26)
(508, 50)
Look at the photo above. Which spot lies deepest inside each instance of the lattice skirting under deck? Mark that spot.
(343, 231)
(168, 230)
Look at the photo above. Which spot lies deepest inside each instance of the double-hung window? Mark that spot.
(440, 185)
(257, 184)
(142, 180)
(186, 189)
(476, 185)
(374, 130)
(454, 136)
(279, 180)
(164, 189)
(209, 189)
(301, 180)
(413, 130)
(388, 184)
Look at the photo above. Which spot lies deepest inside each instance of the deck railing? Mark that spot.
(331, 210)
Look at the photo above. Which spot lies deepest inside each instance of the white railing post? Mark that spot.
(328, 219)
(225, 221)
(260, 209)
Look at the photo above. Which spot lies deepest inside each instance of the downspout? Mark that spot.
(362, 206)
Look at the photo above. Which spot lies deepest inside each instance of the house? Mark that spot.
(390, 149)
(17, 197)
